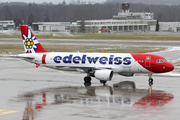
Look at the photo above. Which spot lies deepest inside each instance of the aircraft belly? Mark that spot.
(135, 69)
(66, 68)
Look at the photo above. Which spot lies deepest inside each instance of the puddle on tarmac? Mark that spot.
(105, 97)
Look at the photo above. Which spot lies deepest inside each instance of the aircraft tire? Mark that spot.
(102, 81)
(87, 84)
(87, 79)
(150, 80)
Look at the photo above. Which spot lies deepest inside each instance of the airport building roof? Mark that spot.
(50, 23)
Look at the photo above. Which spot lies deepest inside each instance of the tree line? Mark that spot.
(71, 13)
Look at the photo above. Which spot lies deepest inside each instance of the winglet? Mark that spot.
(31, 44)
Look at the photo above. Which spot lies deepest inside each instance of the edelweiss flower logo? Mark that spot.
(30, 42)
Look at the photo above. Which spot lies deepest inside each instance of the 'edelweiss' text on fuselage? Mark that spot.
(102, 60)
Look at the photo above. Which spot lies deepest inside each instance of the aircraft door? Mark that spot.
(148, 61)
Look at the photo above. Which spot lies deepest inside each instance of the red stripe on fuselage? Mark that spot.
(44, 59)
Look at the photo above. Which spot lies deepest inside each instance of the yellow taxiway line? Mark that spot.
(3, 112)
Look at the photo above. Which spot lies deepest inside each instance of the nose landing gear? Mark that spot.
(150, 82)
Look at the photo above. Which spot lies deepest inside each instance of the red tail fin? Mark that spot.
(31, 44)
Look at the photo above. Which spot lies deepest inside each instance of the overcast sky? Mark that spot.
(53, 1)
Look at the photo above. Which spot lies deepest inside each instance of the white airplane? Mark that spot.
(102, 66)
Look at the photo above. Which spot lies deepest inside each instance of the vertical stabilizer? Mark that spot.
(31, 44)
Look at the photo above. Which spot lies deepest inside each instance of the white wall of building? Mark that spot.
(55, 28)
(52, 26)
(169, 26)
(7, 24)
(153, 28)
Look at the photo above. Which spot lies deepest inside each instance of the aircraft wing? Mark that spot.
(77, 68)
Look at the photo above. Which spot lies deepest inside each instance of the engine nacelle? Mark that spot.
(105, 75)
(127, 74)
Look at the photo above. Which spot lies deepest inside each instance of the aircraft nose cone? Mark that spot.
(171, 67)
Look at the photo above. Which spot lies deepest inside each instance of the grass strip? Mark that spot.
(95, 36)
(18, 48)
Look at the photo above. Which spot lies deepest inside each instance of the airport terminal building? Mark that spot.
(115, 26)
(125, 21)
(7, 24)
(51, 26)
(169, 26)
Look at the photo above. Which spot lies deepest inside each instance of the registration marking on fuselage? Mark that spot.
(3, 112)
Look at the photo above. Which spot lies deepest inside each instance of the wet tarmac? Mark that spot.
(30, 93)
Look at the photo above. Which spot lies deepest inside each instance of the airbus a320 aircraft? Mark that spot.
(102, 66)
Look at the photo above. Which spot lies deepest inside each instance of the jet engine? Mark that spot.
(105, 75)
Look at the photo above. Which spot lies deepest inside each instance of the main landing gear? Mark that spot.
(150, 82)
(87, 81)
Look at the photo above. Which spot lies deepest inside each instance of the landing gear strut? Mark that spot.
(103, 82)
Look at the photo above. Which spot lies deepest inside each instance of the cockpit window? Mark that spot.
(161, 61)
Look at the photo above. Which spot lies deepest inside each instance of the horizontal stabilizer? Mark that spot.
(12, 56)
(26, 56)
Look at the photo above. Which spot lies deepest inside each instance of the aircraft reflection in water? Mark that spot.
(31, 111)
(108, 95)
(105, 95)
